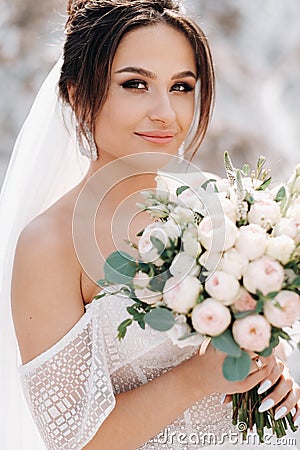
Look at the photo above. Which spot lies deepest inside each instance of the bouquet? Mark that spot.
(221, 260)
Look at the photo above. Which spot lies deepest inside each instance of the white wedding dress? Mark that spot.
(71, 387)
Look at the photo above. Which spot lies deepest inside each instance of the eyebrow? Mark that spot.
(152, 76)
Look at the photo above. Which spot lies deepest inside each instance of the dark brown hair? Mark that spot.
(94, 30)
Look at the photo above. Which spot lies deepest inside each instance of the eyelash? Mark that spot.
(133, 85)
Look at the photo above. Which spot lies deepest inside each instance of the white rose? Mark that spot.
(286, 226)
(265, 213)
(180, 294)
(223, 287)
(218, 231)
(140, 280)
(252, 241)
(148, 296)
(192, 200)
(281, 248)
(182, 215)
(190, 240)
(264, 274)
(234, 263)
(146, 248)
(180, 330)
(184, 264)
(211, 317)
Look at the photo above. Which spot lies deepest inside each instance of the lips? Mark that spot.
(157, 136)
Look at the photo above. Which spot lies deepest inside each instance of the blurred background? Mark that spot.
(256, 49)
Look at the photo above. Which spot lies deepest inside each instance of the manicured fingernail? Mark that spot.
(267, 404)
(293, 411)
(280, 413)
(264, 387)
(222, 399)
(297, 421)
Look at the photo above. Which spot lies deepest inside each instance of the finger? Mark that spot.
(297, 414)
(288, 404)
(259, 362)
(254, 378)
(280, 391)
(272, 378)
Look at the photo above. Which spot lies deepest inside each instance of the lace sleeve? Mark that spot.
(68, 387)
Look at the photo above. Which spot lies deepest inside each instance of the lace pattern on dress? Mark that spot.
(70, 388)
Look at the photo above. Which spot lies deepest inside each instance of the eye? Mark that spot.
(182, 87)
(134, 84)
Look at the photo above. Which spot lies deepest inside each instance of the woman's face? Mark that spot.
(150, 103)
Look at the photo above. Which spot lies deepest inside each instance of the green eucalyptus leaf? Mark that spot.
(237, 368)
(265, 184)
(181, 189)
(119, 268)
(267, 351)
(160, 319)
(225, 343)
(281, 194)
(206, 183)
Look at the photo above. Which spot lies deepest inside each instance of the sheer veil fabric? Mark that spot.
(44, 165)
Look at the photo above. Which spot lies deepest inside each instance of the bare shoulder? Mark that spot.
(46, 293)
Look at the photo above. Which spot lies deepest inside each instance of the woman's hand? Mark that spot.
(285, 393)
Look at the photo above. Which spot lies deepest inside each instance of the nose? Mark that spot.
(161, 109)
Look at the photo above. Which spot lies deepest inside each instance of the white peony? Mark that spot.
(218, 232)
(234, 263)
(281, 248)
(264, 274)
(211, 317)
(180, 293)
(184, 264)
(222, 286)
(286, 313)
(265, 213)
(286, 226)
(252, 332)
(294, 212)
(251, 241)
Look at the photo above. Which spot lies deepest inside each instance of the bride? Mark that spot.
(131, 82)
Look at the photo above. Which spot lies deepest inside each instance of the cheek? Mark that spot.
(185, 112)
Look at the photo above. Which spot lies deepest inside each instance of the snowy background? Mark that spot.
(256, 49)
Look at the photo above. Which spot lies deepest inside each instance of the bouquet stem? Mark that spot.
(245, 411)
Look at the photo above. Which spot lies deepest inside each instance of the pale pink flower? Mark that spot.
(286, 226)
(263, 274)
(251, 241)
(222, 286)
(252, 332)
(181, 293)
(287, 313)
(211, 317)
(244, 301)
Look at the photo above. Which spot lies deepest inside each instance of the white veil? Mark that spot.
(44, 165)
